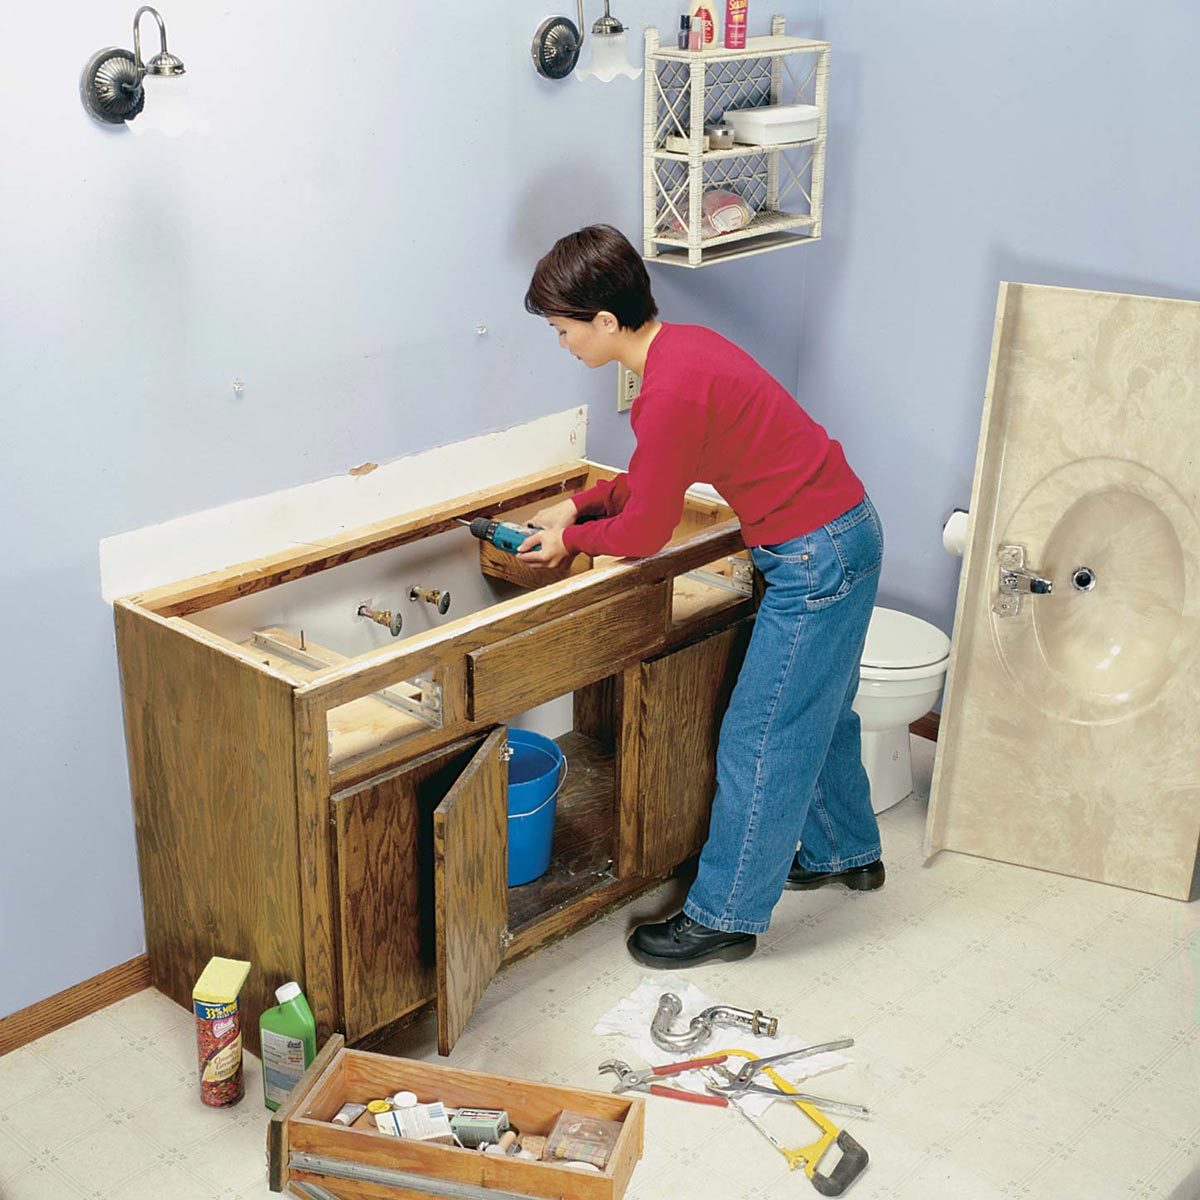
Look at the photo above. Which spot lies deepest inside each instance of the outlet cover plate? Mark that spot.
(628, 386)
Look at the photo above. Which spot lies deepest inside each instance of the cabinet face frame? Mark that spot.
(707, 534)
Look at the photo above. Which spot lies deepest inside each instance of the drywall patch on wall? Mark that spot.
(234, 533)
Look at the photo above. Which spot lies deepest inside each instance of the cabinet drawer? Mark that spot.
(564, 654)
(304, 1144)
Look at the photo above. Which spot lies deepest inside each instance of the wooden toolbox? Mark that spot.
(305, 1148)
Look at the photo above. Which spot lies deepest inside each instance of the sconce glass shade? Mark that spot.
(604, 57)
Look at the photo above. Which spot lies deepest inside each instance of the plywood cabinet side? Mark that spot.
(212, 775)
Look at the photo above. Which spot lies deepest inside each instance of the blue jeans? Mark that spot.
(789, 761)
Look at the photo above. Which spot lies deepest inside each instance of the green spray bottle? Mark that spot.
(289, 1043)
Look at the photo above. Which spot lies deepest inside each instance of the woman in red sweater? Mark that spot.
(793, 806)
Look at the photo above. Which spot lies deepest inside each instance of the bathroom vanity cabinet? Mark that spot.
(329, 801)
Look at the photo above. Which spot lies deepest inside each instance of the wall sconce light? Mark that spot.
(558, 43)
(111, 85)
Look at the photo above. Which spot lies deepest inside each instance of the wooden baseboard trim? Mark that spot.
(28, 1024)
(927, 726)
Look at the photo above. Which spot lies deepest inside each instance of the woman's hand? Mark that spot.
(549, 552)
(557, 516)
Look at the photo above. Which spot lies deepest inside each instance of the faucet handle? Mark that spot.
(1016, 580)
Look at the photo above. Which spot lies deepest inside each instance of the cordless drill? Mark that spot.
(504, 535)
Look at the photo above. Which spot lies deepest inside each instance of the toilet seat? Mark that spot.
(901, 646)
(902, 674)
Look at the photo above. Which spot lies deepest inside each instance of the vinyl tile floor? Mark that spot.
(1018, 1035)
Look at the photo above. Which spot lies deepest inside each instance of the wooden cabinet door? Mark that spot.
(385, 888)
(683, 699)
(470, 838)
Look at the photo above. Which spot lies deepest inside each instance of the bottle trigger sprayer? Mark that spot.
(504, 535)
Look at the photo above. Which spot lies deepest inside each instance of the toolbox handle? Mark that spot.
(850, 1166)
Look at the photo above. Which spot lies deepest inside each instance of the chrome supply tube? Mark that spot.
(701, 1026)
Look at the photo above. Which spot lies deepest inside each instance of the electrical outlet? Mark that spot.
(628, 386)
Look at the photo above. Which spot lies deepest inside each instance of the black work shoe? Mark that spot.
(859, 879)
(681, 942)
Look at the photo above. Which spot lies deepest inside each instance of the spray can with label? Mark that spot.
(289, 1043)
(736, 16)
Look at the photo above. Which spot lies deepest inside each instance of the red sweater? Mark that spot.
(707, 412)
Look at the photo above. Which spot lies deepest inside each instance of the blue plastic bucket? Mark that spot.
(535, 774)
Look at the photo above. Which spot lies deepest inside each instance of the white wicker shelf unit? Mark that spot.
(784, 185)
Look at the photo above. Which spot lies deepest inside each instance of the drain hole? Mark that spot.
(1083, 579)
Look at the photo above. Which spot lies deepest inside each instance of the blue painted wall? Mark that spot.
(352, 192)
(352, 198)
(969, 144)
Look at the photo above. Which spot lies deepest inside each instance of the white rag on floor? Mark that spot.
(630, 1020)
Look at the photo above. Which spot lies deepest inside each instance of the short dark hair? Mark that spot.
(593, 270)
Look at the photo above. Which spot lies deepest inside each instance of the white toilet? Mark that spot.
(901, 677)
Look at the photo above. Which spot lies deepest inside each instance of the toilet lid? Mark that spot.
(896, 639)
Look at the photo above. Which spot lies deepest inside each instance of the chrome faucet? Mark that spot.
(1017, 581)
(1025, 581)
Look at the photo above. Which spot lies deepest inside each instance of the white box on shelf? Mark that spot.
(774, 124)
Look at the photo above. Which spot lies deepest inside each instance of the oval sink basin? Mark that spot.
(1112, 642)
(1121, 547)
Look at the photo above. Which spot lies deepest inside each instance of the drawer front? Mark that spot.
(567, 653)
